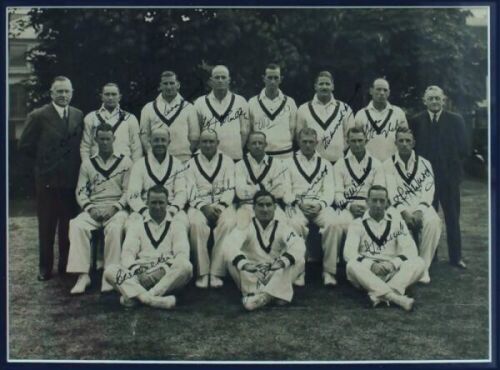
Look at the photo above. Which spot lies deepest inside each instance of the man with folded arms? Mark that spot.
(381, 255)
(266, 257)
(258, 171)
(101, 189)
(155, 257)
(211, 174)
(410, 183)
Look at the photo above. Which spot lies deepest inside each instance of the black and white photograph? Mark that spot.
(249, 185)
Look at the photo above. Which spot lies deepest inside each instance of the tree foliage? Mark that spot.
(411, 47)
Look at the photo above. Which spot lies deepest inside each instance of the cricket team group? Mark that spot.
(222, 186)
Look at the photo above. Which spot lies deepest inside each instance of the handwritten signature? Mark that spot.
(307, 193)
(406, 192)
(212, 122)
(373, 248)
(390, 128)
(123, 275)
(327, 139)
(91, 185)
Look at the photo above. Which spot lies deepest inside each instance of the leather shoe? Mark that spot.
(43, 277)
(461, 264)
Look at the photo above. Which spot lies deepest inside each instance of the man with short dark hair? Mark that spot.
(410, 183)
(440, 138)
(224, 112)
(172, 112)
(124, 124)
(380, 120)
(155, 257)
(381, 255)
(51, 140)
(265, 257)
(329, 117)
(274, 114)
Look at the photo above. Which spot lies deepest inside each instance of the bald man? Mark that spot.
(158, 167)
(224, 112)
(380, 120)
(211, 174)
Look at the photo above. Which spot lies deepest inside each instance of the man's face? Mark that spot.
(104, 141)
(157, 204)
(377, 202)
(404, 143)
(307, 144)
(357, 143)
(208, 144)
(323, 87)
(272, 79)
(434, 100)
(220, 79)
(256, 145)
(169, 86)
(159, 143)
(264, 209)
(61, 93)
(380, 91)
(110, 96)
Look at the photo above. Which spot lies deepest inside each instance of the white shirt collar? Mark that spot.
(214, 158)
(166, 219)
(225, 100)
(269, 226)
(411, 161)
(152, 158)
(60, 110)
(253, 161)
(371, 107)
(107, 113)
(438, 114)
(302, 157)
(318, 102)
(263, 95)
(113, 156)
(366, 216)
(353, 158)
(175, 101)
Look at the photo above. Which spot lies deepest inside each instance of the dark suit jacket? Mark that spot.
(53, 145)
(444, 144)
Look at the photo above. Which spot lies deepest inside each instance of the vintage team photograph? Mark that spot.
(216, 184)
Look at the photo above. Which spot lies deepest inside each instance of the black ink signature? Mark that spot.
(404, 193)
(123, 275)
(373, 248)
(212, 122)
(97, 180)
(385, 131)
(305, 194)
(326, 140)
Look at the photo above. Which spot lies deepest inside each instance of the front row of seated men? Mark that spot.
(265, 247)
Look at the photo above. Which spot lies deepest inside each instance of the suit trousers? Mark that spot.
(55, 208)
(447, 195)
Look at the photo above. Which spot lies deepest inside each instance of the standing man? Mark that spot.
(310, 198)
(211, 208)
(124, 124)
(381, 255)
(329, 117)
(259, 171)
(410, 183)
(380, 120)
(265, 257)
(155, 257)
(171, 111)
(440, 138)
(224, 112)
(274, 114)
(51, 140)
(101, 194)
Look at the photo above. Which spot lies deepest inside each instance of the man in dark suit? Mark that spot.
(440, 138)
(51, 141)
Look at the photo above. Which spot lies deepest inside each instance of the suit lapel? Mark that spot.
(54, 118)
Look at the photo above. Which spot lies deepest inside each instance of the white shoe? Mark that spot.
(329, 279)
(425, 279)
(406, 303)
(105, 286)
(254, 302)
(216, 282)
(82, 283)
(377, 300)
(301, 280)
(165, 303)
(128, 302)
(202, 282)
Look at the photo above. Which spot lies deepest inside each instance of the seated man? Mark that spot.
(312, 192)
(410, 183)
(266, 257)
(211, 177)
(101, 189)
(258, 171)
(381, 255)
(155, 257)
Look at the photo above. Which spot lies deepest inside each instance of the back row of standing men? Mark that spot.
(228, 119)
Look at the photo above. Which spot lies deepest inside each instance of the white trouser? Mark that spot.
(245, 212)
(360, 275)
(343, 219)
(199, 232)
(177, 275)
(325, 220)
(429, 235)
(80, 229)
(278, 286)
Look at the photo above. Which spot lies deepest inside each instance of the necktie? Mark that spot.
(434, 119)
(65, 115)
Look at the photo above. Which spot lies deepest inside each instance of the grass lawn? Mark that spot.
(450, 319)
